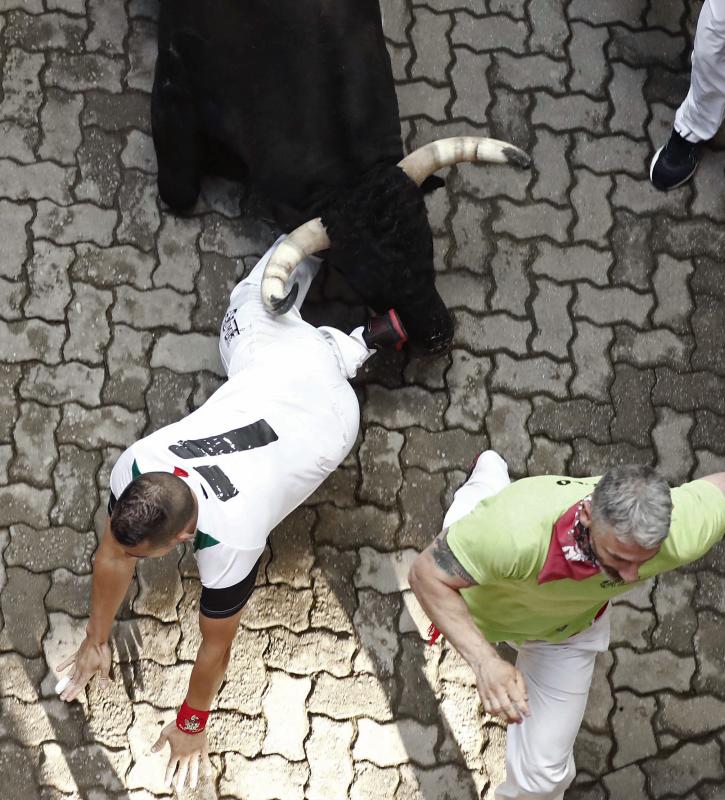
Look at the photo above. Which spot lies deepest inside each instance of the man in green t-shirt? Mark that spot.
(535, 563)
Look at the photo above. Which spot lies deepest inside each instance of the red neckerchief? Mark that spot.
(568, 556)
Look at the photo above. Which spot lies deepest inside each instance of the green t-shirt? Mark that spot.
(504, 542)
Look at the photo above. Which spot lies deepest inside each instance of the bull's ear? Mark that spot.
(431, 183)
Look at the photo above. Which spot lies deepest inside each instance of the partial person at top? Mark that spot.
(701, 114)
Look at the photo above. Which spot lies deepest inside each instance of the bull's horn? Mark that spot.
(442, 153)
(302, 242)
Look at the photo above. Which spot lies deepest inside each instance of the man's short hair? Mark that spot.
(635, 502)
(152, 508)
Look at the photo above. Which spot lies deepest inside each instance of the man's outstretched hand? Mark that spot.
(89, 659)
(502, 689)
(186, 752)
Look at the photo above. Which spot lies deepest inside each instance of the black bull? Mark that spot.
(296, 97)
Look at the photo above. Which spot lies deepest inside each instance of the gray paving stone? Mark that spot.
(684, 769)
(523, 222)
(523, 377)
(492, 32)
(139, 152)
(689, 238)
(86, 71)
(420, 496)
(108, 425)
(652, 671)
(153, 308)
(632, 727)
(630, 109)
(292, 552)
(35, 451)
(587, 57)
(49, 549)
(142, 55)
(596, 459)
(497, 331)
(89, 330)
(449, 449)
(612, 305)
(645, 47)
(108, 26)
(509, 117)
(128, 376)
(32, 340)
(380, 643)
(634, 416)
(550, 307)
(98, 161)
(674, 301)
(428, 35)
(310, 653)
(23, 612)
(693, 391)
(71, 381)
(140, 217)
(116, 112)
(69, 593)
(631, 244)
(36, 181)
(12, 296)
(420, 97)
(13, 245)
(50, 289)
(569, 112)
(342, 698)
(631, 627)
(188, 353)
(651, 348)
(710, 650)
(607, 154)
(548, 458)
(178, 258)
(470, 251)
(549, 27)
(328, 754)
(379, 459)
(466, 382)
(638, 196)
(463, 290)
(522, 73)
(580, 262)
(626, 782)
(707, 324)
(709, 431)
(81, 222)
(60, 123)
(671, 440)
(506, 425)
(708, 200)
(608, 11)
(552, 165)
(391, 744)
(562, 421)
(688, 717)
(22, 93)
(592, 753)
(251, 778)
(396, 19)
(509, 270)
(412, 406)
(601, 698)
(74, 479)
(590, 198)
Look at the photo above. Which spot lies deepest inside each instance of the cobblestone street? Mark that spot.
(589, 313)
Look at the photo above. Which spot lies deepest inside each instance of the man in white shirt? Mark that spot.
(223, 477)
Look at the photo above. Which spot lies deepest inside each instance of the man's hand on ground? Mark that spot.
(186, 751)
(89, 659)
(502, 689)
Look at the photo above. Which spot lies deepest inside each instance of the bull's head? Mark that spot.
(379, 237)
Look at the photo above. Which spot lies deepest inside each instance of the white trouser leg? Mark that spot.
(539, 751)
(703, 110)
(489, 476)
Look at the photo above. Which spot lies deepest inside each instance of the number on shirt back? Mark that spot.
(248, 437)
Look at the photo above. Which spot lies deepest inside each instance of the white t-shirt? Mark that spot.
(253, 452)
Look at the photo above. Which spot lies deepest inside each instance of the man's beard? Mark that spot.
(612, 573)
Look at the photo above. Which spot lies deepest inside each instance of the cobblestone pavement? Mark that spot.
(589, 312)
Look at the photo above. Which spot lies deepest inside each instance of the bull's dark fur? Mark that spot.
(296, 97)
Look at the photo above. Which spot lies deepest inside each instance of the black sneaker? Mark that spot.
(674, 164)
(385, 331)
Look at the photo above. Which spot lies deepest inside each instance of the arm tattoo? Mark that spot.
(445, 560)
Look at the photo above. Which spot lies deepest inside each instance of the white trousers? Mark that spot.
(539, 751)
(701, 114)
(248, 329)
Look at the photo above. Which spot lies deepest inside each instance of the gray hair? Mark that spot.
(636, 503)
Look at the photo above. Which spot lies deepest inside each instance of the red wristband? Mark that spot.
(189, 720)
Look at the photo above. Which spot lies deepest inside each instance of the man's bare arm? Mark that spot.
(436, 579)
(112, 573)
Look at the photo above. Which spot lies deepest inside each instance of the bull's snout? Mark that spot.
(429, 325)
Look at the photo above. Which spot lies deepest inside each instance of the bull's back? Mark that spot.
(300, 90)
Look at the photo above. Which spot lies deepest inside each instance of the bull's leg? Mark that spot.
(176, 132)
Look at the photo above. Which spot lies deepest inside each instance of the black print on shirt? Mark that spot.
(258, 434)
(217, 479)
(230, 329)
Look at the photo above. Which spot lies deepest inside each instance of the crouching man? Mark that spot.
(535, 563)
(222, 478)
